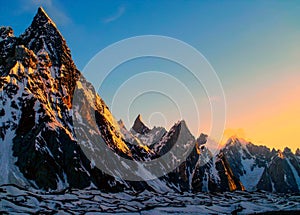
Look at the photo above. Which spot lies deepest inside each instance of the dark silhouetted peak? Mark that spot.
(181, 125)
(185, 130)
(297, 152)
(139, 126)
(180, 135)
(121, 123)
(201, 140)
(287, 151)
(5, 32)
(42, 17)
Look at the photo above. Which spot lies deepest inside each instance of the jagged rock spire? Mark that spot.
(42, 17)
(44, 34)
(139, 126)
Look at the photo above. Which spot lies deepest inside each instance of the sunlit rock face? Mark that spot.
(40, 149)
(44, 61)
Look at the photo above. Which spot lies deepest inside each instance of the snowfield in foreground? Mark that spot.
(17, 200)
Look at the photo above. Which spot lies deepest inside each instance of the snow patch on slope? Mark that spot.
(295, 173)
(252, 174)
(152, 137)
(9, 171)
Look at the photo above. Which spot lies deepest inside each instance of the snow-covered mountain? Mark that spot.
(39, 147)
(141, 133)
(45, 133)
(282, 173)
(258, 167)
(199, 171)
(40, 144)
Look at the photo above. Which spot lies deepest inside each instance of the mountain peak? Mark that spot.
(287, 151)
(42, 17)
(121, 124)
(182, 122)
(202, 139)
(139, 117)
(139, 126)
(280, 154)
(235, 140)
(43, 34)
(41, 10)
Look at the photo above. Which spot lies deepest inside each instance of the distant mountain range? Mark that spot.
(39, 147)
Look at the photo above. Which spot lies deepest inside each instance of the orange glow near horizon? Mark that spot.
(279, 130)
(272, 116)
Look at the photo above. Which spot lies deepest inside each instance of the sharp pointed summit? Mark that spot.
(42, 17)
(43, 34)
(37, 83)
(139, 126)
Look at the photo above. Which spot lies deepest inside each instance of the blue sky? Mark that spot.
(216, 28)
(252, 45)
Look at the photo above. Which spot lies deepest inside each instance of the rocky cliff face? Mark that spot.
(38, 78)
(282, 173)
(139, 126)
(258, 167)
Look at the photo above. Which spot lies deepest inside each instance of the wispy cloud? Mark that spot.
(117, 15)
(51, 7)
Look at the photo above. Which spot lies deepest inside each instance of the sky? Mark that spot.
(253, 47)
